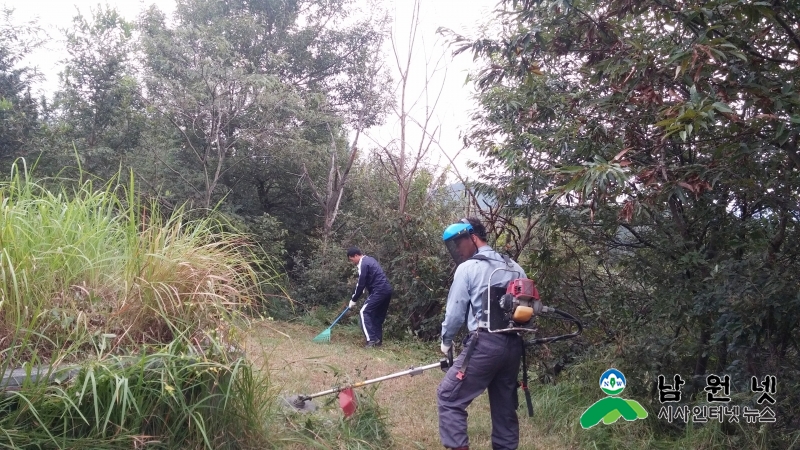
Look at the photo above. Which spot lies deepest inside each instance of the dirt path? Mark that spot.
(297, 365)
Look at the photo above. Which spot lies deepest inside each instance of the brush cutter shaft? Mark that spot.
(412, 371)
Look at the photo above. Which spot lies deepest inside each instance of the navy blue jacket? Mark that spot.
(371, 277)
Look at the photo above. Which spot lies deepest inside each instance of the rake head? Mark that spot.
(325, 336)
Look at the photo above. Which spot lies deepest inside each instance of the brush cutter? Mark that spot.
(325, 336)
(347, 399)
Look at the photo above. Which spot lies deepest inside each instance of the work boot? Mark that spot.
(458, 448)
(371, 344)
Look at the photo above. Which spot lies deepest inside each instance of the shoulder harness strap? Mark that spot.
(479, 257)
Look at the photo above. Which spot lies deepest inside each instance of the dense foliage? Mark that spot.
(248, 107)
(657, 143)
(19, 114)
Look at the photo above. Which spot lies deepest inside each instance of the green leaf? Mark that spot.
(779, 131)
(722, 107)
(665, 122)
(571, 169)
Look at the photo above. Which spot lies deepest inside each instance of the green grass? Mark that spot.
(145, 313)
(366, 429)
(77, 265)
(145, 306)
(166, 399)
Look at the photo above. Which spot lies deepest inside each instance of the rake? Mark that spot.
(325, 336)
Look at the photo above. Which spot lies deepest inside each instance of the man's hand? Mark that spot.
(352, 304)
(445, 348)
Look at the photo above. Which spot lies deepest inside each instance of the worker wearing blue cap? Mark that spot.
(489, 360)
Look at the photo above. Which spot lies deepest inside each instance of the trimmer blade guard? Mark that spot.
(299, 403)
(347, 401)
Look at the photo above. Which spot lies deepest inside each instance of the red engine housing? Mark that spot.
(523, 289)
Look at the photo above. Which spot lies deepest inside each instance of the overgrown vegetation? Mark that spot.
(125, 326)
(172, 398)
(82, 264)
(132, 313)
(644, 160)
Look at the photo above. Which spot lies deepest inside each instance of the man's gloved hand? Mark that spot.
(445, 348)
(352, 304)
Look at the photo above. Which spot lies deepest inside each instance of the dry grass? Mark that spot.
(299, 366)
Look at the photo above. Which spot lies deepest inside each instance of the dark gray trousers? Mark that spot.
(494, 366)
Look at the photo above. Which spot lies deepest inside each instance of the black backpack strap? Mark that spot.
(478, 257)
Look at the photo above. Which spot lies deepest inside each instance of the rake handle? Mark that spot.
(347, 308)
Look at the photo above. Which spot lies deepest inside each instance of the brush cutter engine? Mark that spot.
(512, 308)
(520, 303)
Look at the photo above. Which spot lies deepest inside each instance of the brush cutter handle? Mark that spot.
(564, 315)
(446, 363)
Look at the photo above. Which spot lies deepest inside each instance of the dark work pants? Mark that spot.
(494, 366)
(373, 313)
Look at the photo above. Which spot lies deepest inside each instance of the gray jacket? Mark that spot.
(470, 283)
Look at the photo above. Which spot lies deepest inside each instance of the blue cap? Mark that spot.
(456, 230)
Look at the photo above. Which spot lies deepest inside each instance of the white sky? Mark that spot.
(452, 113)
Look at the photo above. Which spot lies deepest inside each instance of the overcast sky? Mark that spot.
(463, 16)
